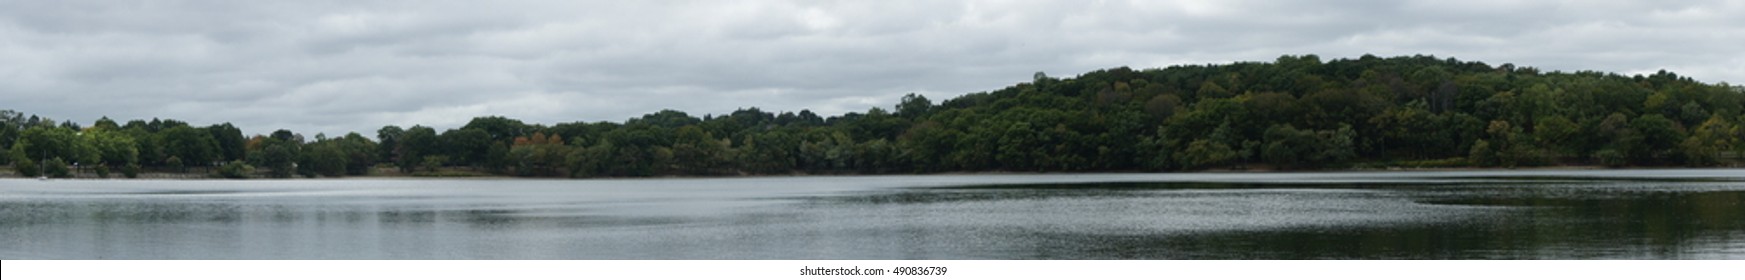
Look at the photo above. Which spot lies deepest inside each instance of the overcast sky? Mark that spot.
(350, 65)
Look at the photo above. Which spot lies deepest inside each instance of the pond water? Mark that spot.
(1602, 214)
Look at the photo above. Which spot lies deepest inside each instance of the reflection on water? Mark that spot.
(1398, 215)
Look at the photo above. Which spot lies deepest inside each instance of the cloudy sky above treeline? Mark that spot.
(350, 65)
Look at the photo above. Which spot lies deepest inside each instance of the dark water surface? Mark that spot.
(1605, 214)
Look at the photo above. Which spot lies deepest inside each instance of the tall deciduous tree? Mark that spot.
(417, 143)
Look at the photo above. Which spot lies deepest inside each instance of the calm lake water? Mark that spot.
(1603, 214)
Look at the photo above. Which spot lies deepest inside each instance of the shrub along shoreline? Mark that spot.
(471, 173)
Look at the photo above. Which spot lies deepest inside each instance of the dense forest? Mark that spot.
(1294, 113)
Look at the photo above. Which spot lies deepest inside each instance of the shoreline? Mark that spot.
(473, 175)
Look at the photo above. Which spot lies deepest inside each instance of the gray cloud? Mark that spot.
(339, 66)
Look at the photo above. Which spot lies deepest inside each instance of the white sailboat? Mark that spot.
(41, 167)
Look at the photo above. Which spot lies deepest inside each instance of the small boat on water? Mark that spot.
(40, 166)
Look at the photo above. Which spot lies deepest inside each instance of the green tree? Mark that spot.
(1619, 137)
(1411, 131)
(1660, 137)
(1558, 133)
(879, 156)
(1482, 154)
(1514, 147)
(1210, 89)
(46, 142)
(113, 148)
(236, 169)
(1018, 147)
(1506, 138)
(432, 163)
(1205, 154)
(326, 157)
(415, 144)
(469, 146)
(360, 153)
(229, 141)
(913, 106)
(130, 171)
(278, 153)
(1288, 147)
(769, 153)
(498, 128)
(668, 119)
(56, 168)
(1161, 107)
(539, 155)
(175, 163)
(193, 146)
(148, 145)
(26, 167)
(11, 124)
(697, 152)
(389, 148)
(1337, 145)
(589, 161)
(1708, 140)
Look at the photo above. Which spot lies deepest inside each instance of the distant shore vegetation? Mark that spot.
(1294, 113)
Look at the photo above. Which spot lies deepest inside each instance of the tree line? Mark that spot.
(1296, 112)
